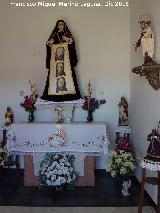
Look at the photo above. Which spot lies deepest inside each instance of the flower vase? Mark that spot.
(125, 187)
(90, 116)
(31, 117)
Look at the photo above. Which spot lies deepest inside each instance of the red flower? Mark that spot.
(28, 103)
(122, 144)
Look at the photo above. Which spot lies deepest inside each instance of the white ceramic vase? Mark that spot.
(125, 187)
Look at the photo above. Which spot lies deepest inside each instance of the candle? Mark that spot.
(89, 93)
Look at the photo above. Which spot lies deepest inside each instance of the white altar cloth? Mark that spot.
(42, 137)
(40, 103)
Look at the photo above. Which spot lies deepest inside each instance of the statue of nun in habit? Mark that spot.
(61, 84)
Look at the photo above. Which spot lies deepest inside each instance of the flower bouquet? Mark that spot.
(57, 171)
(91, 104)
(29, 102)
(28, 105)
(121, 163)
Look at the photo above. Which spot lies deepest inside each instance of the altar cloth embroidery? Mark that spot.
(65, 138)
(58, 139)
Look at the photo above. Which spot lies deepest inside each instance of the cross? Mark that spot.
(59, 110)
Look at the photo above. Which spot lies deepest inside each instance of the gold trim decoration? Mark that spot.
(151, 72)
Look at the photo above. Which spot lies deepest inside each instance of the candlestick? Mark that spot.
(59, 110)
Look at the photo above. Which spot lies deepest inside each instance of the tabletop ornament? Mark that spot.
(91, 104)
(29, 102)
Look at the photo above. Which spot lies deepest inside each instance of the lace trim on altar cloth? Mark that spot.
(124, 129)
(151, 165)
(61, 153)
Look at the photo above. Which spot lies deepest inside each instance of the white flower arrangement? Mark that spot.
(57, 171)
(121, 164)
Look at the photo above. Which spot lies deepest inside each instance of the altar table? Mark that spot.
(85, 139)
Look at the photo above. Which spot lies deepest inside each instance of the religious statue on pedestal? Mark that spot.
(61, 84)
(153, 151)
(146, 40)
(123, 112)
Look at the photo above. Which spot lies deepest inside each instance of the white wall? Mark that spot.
(145, 101)
(102, 37)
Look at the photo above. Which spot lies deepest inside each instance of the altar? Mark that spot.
(33, 140)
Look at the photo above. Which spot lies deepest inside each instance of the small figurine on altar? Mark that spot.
(8, 116)
(146, 39)
(123, 112)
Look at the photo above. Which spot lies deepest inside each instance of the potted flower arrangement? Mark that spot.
(29, 103)
(57, 171)
(91, 104)
(121, 164)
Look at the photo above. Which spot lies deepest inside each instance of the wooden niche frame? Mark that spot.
(151, 72)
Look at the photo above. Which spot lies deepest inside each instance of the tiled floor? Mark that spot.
(107, 192)
(20, 209)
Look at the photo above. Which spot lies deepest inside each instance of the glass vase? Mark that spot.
(126, 184)
(31, 117)
(90, 116)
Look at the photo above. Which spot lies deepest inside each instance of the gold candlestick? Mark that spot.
(59, 110)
